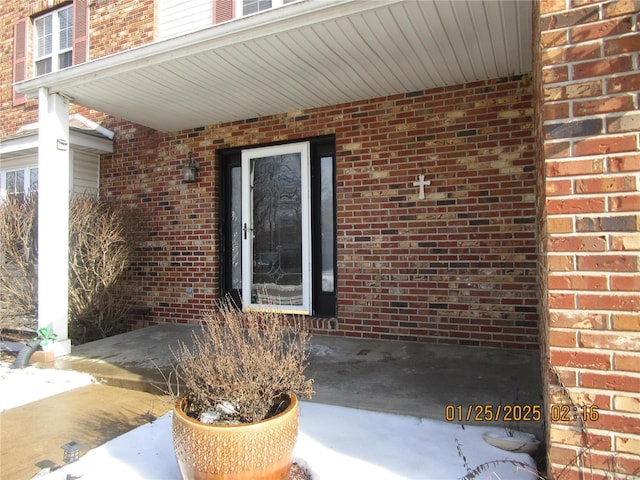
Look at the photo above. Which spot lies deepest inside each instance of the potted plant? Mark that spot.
(236, 409)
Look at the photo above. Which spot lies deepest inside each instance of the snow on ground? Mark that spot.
(333, 443)
(25, 385)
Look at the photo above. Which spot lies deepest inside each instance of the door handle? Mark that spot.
(246, 229)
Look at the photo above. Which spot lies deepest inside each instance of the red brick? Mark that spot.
(626, 403)
(572, 168)
(621, 7)
(612, 421)
(580, 359)
(567, 470)
(628, 122)
(559, 187)
(578, 320)
(578, 282)
(627, 444)
(576, 205)
(555, 38)
(569, 18)
(629, 283)
(625, 242)
(626, 163)
(557, 149)
(550, 6)
(621, 321)
(564, 456)
(561, 300)
(630, 303)
(561, 263)
(606, 145)
(611, 341)
(606, 184)
(608, 263)
(577, 244)
(627, 362)
(625, 44)
(555, 111)
(559, 225)
(362, 168)
(612, 462)
(623, 83)
(559, 338)
(625, 203)
(573, 91)
(597, 30)
(556, 74)
(623, 103)
(568, 377)
(601, 67)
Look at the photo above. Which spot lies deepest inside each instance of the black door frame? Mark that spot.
(323, 303)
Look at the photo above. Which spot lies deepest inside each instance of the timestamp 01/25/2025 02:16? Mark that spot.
(520, 413)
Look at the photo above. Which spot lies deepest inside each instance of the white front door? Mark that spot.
(276, 228)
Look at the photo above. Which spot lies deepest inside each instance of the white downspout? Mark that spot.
(53, 217)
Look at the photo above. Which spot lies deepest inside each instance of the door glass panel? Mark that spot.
(236, 228)
(276, 228)
(276, 203)
(327, 223)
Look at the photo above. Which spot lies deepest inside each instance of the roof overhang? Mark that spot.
(307, 54)
(84, 135)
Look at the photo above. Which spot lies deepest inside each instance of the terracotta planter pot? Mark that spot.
(261, 450)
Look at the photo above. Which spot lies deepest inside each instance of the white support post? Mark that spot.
(53, 217)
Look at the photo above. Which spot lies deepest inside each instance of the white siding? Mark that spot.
(177, 17)
(85, 168)
(86, 173)
(19, 162)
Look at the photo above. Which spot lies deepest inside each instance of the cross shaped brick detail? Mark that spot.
(421, 183)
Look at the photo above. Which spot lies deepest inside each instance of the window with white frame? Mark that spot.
(16, 183)
(247, 7)
(53, 40)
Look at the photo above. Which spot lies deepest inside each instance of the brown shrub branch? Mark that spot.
(101, 248)
(249, 359)
(19, 256)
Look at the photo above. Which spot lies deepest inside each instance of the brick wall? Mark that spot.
(588, 114)
(457, 267)
(114, 26)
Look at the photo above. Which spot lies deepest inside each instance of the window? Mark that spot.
(253, 6)
(16, 183)
(53, 40)
(60, 39)
(278, 227)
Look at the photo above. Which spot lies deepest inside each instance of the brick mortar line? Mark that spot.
(599, 116)
(574, 81)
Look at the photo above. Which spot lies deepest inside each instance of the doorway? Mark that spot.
(278, 227)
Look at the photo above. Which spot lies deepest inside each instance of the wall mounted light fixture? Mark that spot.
(190, 169)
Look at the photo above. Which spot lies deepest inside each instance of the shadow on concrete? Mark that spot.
(399, 377)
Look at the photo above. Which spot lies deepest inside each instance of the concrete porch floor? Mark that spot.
(397, 377)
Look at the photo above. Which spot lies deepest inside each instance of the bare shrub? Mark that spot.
(245, 359)
(18, 257)
(101, 250)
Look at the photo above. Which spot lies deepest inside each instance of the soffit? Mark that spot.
(308, 54)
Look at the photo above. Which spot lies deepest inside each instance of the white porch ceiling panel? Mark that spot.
(308, 54)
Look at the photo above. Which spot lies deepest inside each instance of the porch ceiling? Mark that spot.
(307, 54)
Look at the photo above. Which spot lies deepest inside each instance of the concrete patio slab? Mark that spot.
(32, 435)
(399, 377)
(406, 378)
